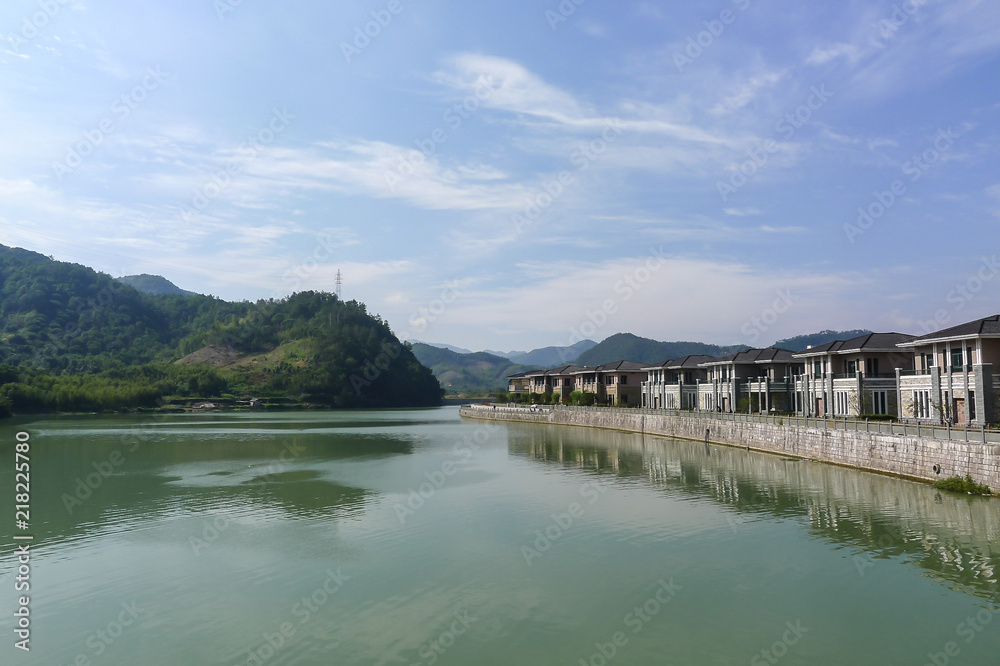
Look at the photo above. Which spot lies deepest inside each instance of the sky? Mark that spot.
(520, 174)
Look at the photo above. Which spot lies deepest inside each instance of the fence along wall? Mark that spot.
(910, 456)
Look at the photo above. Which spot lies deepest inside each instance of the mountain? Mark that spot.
(501, 354)
(550, 356)
(441, 345)
(154, 284)
(546, 356)
(628, 347)
(803, 342)
(477, 373)
(73, 339)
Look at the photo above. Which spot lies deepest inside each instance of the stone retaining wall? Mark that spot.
(913, 457)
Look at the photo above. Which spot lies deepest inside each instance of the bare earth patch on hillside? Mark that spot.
(216, 356)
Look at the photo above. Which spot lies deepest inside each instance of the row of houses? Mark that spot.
(941, 377)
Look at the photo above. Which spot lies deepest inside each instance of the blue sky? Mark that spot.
(519, 174)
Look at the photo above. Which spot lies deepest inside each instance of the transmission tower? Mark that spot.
(339, 282)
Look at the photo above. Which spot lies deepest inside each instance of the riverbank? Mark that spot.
(904, 455)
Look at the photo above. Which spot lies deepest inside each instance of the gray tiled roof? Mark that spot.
(869, 342)
(769, 355)
(986, 327)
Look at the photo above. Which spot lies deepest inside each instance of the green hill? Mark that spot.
(478, 373)
(628, 347)
(73, 339)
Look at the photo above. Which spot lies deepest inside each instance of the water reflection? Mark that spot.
(97, 479)
(955, 539)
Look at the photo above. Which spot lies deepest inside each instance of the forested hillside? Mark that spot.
(75, 339)
(476, 373)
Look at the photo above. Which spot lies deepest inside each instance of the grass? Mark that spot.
(959, 485)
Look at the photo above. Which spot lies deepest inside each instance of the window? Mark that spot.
(922, 404)
(880, 402)
(871, 367)
(842, 403)
(972, 405)
(851, 367)
(624, 379)
(817, 369)
(956, 359)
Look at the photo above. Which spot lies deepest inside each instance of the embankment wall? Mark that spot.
(908, 456)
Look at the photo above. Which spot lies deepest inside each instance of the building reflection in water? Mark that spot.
(954, 538)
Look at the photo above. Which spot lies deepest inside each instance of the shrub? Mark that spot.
(959, 485)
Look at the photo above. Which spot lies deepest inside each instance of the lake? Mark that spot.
(416, 537)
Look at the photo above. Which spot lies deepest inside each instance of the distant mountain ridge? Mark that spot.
(154, 284)
(442, 345)
(625, 346)
(553, 355)
(544, 356)
(476, 373)
(802, 342)
(629, 347)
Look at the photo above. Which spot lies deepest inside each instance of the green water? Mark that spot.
(214, 537)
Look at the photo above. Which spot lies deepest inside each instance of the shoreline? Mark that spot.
(904, 456)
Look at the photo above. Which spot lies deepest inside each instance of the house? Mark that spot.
(519, 384)
(622, 382)
(673, 384)
(852, 377)
(555, 380)
(763, 377)
(952, 376)
(618, 383)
